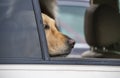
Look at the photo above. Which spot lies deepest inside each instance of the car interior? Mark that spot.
(101, 31)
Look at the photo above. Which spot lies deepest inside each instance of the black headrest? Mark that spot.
(102, 27)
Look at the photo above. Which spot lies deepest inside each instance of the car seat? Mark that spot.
(102, 32)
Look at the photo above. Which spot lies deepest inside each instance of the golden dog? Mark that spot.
(58, 44)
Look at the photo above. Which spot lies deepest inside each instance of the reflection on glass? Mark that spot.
(71, 20)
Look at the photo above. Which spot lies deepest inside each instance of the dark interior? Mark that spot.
(102, 32)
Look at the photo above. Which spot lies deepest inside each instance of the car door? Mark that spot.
(24, 52)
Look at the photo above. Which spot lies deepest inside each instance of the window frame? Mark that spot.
(41, 33)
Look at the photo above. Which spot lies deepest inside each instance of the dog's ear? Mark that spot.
(48, 7)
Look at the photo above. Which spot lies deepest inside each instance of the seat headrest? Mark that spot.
(102, 27)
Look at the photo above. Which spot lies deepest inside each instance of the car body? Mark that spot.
(24, 52)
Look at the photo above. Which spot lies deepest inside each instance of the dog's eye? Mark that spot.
(47, 27)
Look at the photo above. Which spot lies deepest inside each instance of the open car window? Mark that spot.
(71, 20)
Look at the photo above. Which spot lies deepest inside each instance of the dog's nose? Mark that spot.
(71, 42)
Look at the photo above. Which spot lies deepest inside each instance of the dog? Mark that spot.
(58, 43)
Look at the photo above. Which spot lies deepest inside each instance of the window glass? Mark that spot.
(18, 30)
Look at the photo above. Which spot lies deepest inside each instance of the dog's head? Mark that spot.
(58, 43)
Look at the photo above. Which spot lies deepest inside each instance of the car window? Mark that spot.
(19, 39)
(71, 20)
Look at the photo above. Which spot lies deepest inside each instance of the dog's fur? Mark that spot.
(58, 43)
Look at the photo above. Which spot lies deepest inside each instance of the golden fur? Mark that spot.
(58, 43)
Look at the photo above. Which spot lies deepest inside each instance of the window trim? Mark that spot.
(41, 33)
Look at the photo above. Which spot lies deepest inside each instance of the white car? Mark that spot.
(24, 52)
